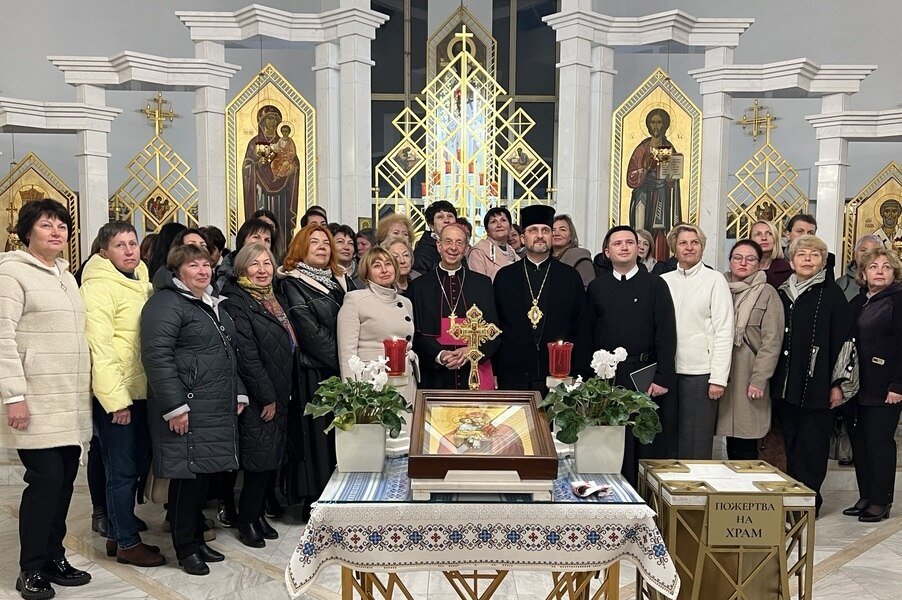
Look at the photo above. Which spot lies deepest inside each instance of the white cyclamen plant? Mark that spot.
(597, 401)
(361, 399)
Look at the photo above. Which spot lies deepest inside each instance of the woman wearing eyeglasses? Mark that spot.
(744, 413)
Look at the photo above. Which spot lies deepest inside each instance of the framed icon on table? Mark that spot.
(455, 430)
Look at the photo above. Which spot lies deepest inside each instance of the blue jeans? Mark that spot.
(125, 457)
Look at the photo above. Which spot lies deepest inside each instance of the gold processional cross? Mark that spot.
(159, 113)
(474, 330)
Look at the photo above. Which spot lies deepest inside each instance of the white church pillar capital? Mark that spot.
(832, 167)
(574, 101)
(716, 120)
(209, 119)
(328, 128)
(598, 205)
(355, 114)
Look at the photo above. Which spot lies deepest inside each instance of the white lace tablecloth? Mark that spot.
(367, 522)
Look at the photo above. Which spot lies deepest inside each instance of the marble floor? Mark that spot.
(853, 560)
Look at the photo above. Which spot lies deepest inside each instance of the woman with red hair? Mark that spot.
(314, 286)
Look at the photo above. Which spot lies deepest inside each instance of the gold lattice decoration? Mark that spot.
(466, 143)
(157, 190)
(766, 187)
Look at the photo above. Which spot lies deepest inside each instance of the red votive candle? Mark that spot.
(423, 189)
(396, 351)
(559, 359)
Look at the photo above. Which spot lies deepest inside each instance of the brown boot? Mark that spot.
(112, 547)
(141, 555)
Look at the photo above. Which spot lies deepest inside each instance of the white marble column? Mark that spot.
(598, 205)
(328, 129)
(716, 120)
(832, 165)
(209, 118)
(356, 134)
(92, 160)
(574, 102)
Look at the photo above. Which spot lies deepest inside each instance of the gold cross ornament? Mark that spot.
(158, 114)
(474, 331)
(757, 123)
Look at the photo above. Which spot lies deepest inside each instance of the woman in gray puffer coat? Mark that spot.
(194, 394)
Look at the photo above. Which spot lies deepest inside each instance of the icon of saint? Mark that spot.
(271, 169)
(655, 202)
(889, 230)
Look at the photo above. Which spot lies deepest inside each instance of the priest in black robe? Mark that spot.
(632, 309)
(450, 289)
(522, 361)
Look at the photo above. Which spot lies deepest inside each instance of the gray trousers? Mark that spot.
(697, 417)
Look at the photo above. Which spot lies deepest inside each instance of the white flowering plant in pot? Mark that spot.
(597, 401)
(362, 399)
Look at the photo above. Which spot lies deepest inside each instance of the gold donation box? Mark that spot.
(735, 529)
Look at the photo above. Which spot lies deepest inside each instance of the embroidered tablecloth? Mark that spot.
(368, 522)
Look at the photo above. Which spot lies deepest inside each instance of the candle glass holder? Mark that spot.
(559, 354)
(396, 351)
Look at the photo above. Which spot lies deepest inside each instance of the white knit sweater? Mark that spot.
(704, 318)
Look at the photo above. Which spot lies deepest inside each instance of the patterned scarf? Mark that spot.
(265, 296)
(745, 297)
(795, 288)
(321, 276)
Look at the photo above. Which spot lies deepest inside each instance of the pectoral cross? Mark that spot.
(474, 330)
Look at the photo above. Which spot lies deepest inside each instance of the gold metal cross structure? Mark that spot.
(757, 123)
(463, 36)
(474, 330)
(159, 113)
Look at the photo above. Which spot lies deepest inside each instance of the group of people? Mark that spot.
(200, 360)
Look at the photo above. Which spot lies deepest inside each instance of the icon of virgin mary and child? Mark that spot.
(271, 169)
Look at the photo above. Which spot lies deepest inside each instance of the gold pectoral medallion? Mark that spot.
(535, 314)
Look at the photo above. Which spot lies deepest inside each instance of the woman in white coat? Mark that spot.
(45, 390)
(376, 313)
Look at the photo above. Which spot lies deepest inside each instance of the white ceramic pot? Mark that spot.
(599, 449)
(361, 449)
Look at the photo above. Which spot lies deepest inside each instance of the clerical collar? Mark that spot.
(629, 274)
(538, 265)
(446, 271)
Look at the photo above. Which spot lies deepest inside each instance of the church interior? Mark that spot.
(201, 113)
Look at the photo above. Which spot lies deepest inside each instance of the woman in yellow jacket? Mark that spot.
(115, 287)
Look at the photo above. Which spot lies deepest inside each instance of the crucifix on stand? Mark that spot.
(474, 331)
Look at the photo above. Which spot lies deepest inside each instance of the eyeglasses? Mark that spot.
(744, 259)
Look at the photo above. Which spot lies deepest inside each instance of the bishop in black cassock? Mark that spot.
(448, 288)
(632, 309)
(522, 361)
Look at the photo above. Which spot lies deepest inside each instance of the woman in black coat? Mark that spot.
(194, 394)
(266, 344)
(878, 321)
(314, 286)
(806, 383)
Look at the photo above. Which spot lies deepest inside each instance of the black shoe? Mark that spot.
(266, 530)
(249, 535)
(60, 572)
(875, 513)
(142, 526)
(846, 462)
(194, 565)
(34, 586)
(208, 554)
(99, 522)
(272, 509)
(227, 516)
(856, 509)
